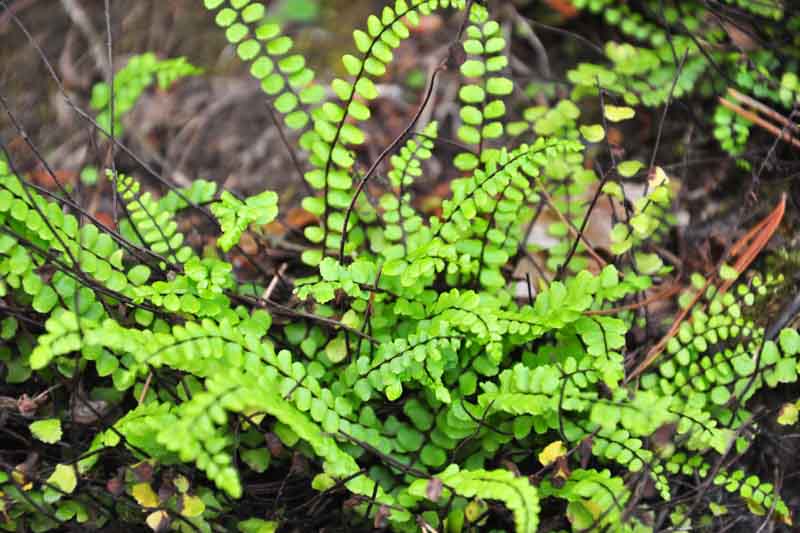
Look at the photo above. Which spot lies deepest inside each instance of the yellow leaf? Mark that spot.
(64, 478)
(144, 495)
(158, 520)
(475, 509)
(192, 506)
(788, 414)
(593, 508)
(21, 480)
(658, 177)
(755, 507)
(181, 483)
(551, 452)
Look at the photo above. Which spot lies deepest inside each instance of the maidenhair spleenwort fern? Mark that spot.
(408, 373)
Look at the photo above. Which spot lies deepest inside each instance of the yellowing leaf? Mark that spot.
(788, 414)
(657, 178)
(158, 521)
(618, 113)
(593, 508)
(580, 515)
(144, 495)
(717, 510)
(755, 507)
(64, 478)
(192, 506)
(475, 509)
(552, 452)
(181, 483)
(21, 479)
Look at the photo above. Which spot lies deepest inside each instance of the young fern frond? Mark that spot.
(333, 136)
(156, 228)
(284, 76)
(481, 95)
(402, 222)
(132, 80)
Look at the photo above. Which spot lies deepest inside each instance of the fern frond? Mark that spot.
(132, 80)
(517, 493)
(284, 76)
(481, 94)
(156, 228)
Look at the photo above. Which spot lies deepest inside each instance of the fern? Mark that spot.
(516, 493)
(131, 81)
(407, 371)
(483, 105)
(284, 76)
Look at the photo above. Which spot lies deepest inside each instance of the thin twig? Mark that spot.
(78, 15)
(575, 233)
(388, 150)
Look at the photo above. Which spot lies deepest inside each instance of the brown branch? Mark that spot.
(760, 122)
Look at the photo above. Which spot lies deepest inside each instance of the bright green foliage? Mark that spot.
(283, 74)
(485, 86)
(199, 192)
(149, 224)
(48, 431)
(515, 492)
(139, 73)
(235, 215)
(708, 385)
(596, 498)
(409, 370)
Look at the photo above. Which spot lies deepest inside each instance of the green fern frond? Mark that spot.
(484, 88)
(140, 72)
(150, 225)
(517, 493)
(284, 76)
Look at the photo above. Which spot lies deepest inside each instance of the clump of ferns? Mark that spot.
(412, 371)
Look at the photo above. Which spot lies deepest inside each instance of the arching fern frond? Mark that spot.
(284, 76)
(516, 493)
